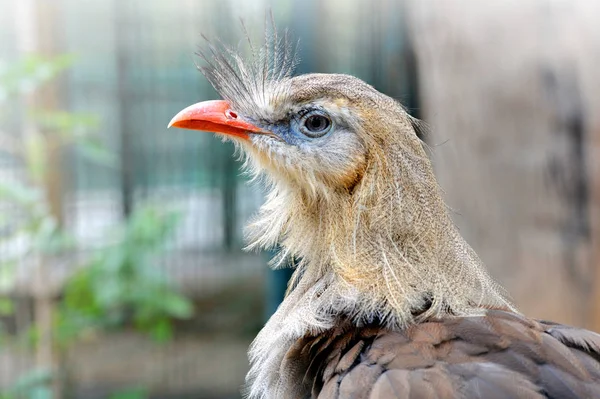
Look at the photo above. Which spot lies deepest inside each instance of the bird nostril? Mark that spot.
(230, 114)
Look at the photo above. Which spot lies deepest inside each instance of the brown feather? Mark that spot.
(500, 355)
(358, 381)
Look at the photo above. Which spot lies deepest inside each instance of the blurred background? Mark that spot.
(121, 269)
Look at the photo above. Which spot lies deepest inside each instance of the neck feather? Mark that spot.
(388, 252)
(388, 249)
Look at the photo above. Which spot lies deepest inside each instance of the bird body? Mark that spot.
(499, 355)
(387, 299)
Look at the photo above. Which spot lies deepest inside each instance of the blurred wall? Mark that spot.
(511, 90)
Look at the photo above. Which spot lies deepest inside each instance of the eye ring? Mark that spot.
(315, 124)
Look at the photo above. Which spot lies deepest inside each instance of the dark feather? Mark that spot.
(501, 355)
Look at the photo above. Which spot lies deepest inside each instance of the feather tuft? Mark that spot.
(250, 83)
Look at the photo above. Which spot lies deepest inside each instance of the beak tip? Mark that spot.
(173, 121)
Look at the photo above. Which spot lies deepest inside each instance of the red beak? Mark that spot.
(213, 116)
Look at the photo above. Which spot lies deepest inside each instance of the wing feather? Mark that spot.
(500, 355)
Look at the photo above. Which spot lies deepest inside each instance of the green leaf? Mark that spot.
(7, 275)
(109, 293)
(7, 307)
(161, 330)
(31, 72)
(177, 306)
(35, 154)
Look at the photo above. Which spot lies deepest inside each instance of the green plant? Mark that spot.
(123, 284)
(30, 220)
(29, 230)
(28, 74)
(120, 284)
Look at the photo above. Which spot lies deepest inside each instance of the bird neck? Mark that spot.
(384, 252)
(388, 248)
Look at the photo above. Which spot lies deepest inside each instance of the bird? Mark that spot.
(387, 299)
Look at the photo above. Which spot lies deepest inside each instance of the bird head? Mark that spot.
(353, 197)
(312, 133)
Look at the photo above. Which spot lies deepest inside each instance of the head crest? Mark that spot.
(249, 83)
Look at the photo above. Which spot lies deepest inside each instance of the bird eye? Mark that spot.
(315, 124)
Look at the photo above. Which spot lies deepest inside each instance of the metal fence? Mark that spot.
(133, 69)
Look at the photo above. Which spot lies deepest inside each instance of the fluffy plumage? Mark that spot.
(376, 253)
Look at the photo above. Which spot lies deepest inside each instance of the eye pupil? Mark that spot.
(313, 124)
(317, 123)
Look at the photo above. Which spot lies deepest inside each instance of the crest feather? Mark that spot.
(251, 83)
